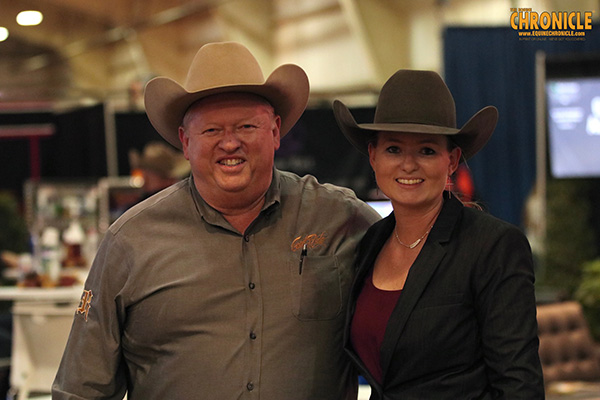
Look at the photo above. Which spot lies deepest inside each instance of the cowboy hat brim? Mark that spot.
(166, 101)
(471, 138)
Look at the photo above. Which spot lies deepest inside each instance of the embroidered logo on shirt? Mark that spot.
(85, 303)
(312, 241)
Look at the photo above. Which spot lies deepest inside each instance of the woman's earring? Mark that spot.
(449, 183)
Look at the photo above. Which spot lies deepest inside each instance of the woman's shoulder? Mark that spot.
(475, 215)
(481, 224)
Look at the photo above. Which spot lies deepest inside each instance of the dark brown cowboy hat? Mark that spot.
(219, 68)
(418, 102)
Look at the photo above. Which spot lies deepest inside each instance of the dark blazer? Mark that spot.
(465, 324)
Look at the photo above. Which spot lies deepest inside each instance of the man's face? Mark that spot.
(230, 140)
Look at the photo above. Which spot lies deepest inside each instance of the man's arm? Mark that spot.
(91, 366)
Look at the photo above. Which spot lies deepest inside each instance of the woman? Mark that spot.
(443, 304)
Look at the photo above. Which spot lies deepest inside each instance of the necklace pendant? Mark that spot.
(415, 244)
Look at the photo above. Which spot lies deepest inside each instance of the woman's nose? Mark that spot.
(409, 163)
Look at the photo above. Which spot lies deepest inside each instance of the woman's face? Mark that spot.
(412, 168)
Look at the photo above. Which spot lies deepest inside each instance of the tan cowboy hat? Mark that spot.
(418, 102)
(161, 159)
(219, 68)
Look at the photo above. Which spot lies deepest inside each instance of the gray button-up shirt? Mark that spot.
(179, 305)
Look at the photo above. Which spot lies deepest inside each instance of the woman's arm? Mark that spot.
(506, 310)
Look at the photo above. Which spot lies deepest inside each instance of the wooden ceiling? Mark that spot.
(95, 49)
(108, 49)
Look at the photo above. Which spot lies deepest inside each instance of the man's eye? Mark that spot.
(392, 149)
(428, 151)
(211, 131)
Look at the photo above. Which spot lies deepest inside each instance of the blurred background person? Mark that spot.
(159, 164)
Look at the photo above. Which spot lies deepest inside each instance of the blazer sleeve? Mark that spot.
(506, 311)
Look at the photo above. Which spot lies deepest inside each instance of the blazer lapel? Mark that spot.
(419, 275)
(381, 233)
(375, 239)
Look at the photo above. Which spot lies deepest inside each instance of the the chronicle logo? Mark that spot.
(551, 25)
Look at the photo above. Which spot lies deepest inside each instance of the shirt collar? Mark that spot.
(214, 217)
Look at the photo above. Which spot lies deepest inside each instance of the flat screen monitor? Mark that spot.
(383, 207)
(573, 106)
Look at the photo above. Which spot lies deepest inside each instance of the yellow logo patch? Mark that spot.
(311, 241)
(85, 303)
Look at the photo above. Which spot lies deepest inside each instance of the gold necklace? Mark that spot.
(415, 243)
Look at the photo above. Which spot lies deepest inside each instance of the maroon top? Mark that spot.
(373, 309)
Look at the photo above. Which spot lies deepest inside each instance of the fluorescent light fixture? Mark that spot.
(29, 18)
(3, 34)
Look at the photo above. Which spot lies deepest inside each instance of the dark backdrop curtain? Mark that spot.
(316, 146)
(78, 149)
(491, 66)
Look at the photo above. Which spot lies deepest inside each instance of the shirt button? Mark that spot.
(252, 335)
(250, 386)
(246, 238)
(251, 285)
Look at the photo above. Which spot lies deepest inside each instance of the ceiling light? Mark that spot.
(29, 18)
(3, 33)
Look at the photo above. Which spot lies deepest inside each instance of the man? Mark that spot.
(160, 166)
(231, 284)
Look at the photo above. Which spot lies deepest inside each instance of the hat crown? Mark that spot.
(223, 64)
(416, 97)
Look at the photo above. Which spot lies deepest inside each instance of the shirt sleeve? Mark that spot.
(91, 366)
(506, 310)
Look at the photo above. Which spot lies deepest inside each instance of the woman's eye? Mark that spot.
(392, 149)
(428, 151)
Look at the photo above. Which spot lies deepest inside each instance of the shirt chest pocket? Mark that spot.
(316, 288)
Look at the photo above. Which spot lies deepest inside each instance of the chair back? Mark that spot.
(567, 350)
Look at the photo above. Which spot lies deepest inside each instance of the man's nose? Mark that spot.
(229, 140)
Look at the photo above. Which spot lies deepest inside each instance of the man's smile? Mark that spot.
(231, 162)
